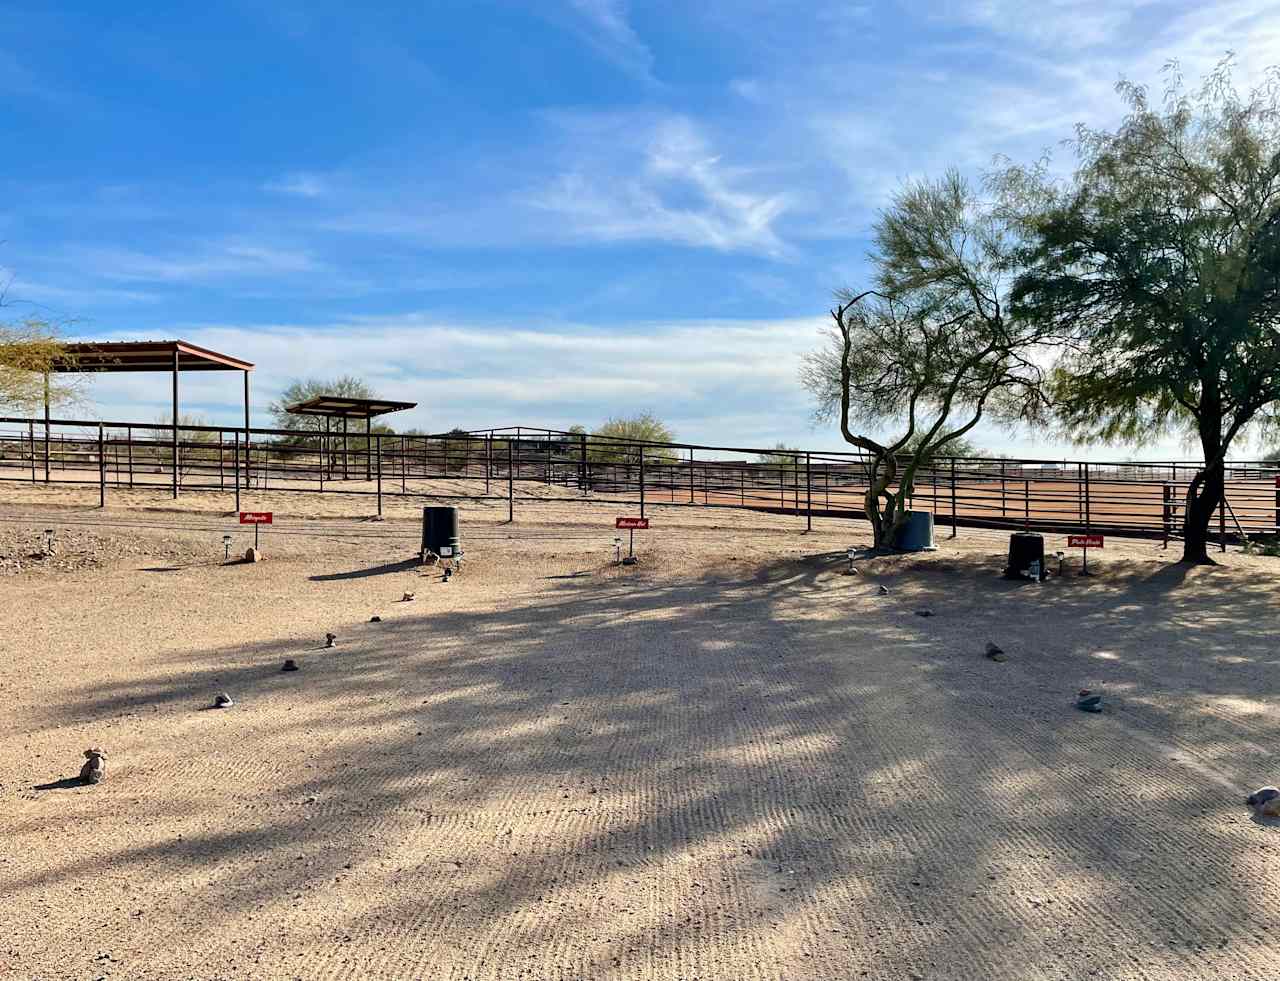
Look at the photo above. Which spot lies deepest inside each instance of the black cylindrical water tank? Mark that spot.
(915, 534)
(440, 532)
(1026, 556)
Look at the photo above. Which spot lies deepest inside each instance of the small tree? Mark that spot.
(932, 346)
(1161, 261)
(305, 389)
(620, 439)
(781, 457)
(29, 349)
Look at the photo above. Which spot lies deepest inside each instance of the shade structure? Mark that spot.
(109, 357)
(115, 356)
(344, 407)
(340, 406)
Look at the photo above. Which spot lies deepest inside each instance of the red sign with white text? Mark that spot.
(255, 517)
(1084, 541)
(634, 524)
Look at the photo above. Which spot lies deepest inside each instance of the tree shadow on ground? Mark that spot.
(748, 756)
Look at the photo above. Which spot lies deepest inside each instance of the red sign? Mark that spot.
(1084, 541)
(634, 524)
(255, 517)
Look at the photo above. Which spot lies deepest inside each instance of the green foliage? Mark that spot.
(305, 389)
(961, 446)
(28, 350)
(783, 457)
(611, 442)
(1159, 265)
(930, 349)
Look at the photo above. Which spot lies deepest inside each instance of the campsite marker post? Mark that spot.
(631, 525)
(1085, 542)
(255, 518)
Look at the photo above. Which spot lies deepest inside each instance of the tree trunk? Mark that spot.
(1204, 495)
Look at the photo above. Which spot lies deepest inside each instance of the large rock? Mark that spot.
(253, 555)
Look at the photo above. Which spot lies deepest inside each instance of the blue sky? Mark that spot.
(541, 212)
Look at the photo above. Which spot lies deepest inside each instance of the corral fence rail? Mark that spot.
(508, 463)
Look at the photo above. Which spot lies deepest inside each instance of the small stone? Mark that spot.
(289, 664)
(1266, 801)
(375, 619)
(884, 590)
(924, 613)
(222, 700)
(330, 640)
(995, 653)
(408, 598)
(1087, 701)
(253, 555)
(95, 767)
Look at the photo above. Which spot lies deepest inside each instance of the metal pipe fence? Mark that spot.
(1141, 499)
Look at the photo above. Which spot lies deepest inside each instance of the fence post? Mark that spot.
(691, 474)
(1026, 504)
(31, 430)
(1088, 519)
(953, 498)
(488, 461)
(377, 448)
(1164, 514)
(808, 491)
(511, 483)
(642, 481)
(102, 471)
(1003, 511)
(236, 447)
(1277, 483)
(221, 464)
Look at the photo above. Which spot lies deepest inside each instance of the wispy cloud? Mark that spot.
(301, 185)
(228, 259)
(663, 182)
(604, 24)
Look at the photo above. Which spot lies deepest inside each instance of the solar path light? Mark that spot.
(226, 548)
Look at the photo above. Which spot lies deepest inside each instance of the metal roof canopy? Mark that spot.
(108, 357)
(341, 407)
(113, 356)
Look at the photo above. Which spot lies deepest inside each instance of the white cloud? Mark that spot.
(224, 260)
(605, 26)
(478, 375)
(299, 185)
(659, 180)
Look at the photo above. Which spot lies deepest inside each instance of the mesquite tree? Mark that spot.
(1160, 259)
(932, 349)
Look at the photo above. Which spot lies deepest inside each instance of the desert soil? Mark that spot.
(731, 761)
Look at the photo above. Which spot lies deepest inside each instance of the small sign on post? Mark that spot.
(631, 526)
(1085, 542)
(255, 518)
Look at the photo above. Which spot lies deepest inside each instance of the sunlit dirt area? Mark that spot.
(732, 760)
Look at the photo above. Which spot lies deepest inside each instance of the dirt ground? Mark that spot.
(731, 761)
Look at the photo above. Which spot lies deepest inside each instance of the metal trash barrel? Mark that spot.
(440, 532)
(915, 534)
(1026, 556)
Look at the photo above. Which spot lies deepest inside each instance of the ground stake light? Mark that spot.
(226, 547)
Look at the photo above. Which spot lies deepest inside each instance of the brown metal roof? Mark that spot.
(112, 356)
(349, 408)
